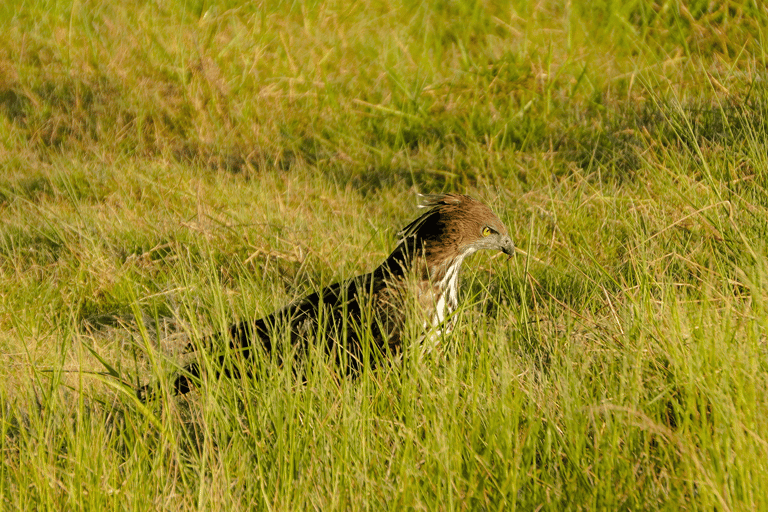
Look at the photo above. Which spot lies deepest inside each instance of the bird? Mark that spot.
(366, 317)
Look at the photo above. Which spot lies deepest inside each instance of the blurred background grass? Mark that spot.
(168, 167)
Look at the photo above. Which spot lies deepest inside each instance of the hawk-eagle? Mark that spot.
(368, 314)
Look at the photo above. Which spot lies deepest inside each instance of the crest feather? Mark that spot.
(432, 200)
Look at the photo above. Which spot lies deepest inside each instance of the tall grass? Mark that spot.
(168, 168)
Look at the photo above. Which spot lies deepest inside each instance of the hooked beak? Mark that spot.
(507, 246)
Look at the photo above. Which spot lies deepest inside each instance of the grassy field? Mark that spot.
(170, 167)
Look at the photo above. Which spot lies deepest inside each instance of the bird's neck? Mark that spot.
(437, 271)
(444, 277)
(445, 282)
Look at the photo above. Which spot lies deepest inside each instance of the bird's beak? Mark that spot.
(507, 246)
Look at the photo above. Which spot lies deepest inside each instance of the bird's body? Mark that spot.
(369, 314)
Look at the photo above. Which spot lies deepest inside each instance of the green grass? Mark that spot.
(167, 168)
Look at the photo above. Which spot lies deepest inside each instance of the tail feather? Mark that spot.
(183, 383)
(243, 337)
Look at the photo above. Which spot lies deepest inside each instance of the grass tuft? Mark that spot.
(168, 168)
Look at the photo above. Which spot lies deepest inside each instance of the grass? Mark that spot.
(168, 168)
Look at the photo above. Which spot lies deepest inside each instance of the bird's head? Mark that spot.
(453, 227)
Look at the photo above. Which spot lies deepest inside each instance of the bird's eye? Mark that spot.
(486, 231)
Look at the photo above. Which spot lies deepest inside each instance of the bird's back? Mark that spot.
(357, 320)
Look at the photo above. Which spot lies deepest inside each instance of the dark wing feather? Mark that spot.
(342, 306)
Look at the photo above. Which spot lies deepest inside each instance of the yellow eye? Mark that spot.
(486, 231)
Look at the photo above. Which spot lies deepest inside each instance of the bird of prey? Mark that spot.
(365, 317)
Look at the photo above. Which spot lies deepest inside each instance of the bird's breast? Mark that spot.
(445, 293)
